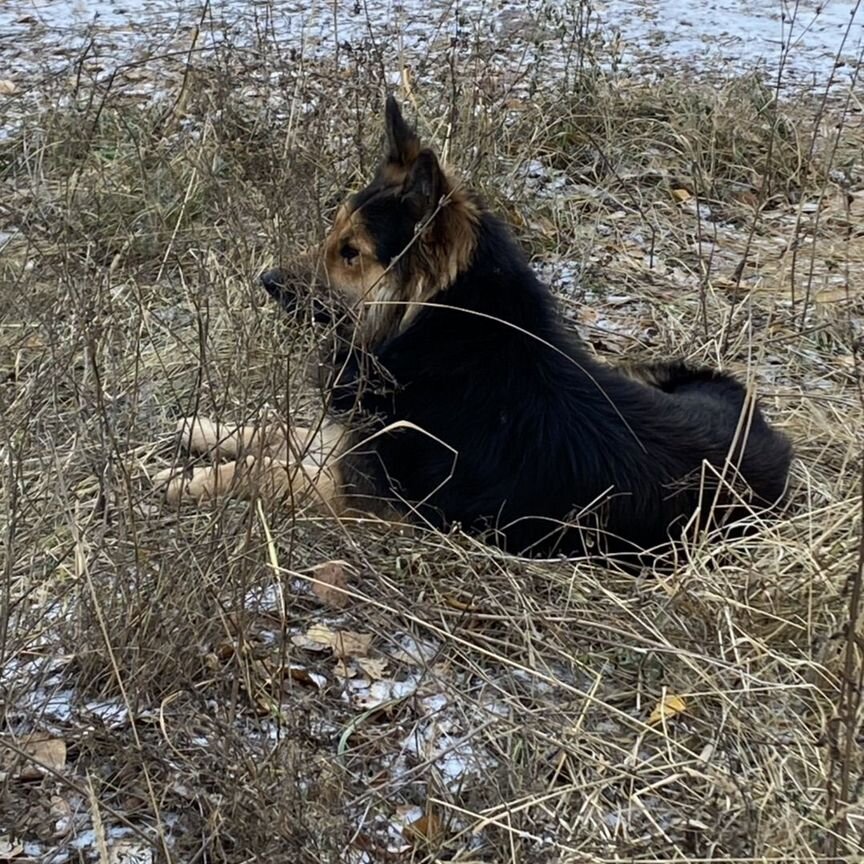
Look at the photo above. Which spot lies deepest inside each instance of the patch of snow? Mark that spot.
(51, 705)
(415, 651)
(718, 35)
(456, 758)
(435, 703)
(366, 695)
(737, 35)
(113, 714)
(267, 598)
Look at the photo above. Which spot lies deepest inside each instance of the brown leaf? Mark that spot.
(303, 676)
(330, 583)
(60, 813)
(348, 644)
(374, 667)
(681, 194)
(427, 829)
(312, 640)
(342, 643)
(225, 651)
(43, 749)
(7, 87)
(345, 670)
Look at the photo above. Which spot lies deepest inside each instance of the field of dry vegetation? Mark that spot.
(241, 684)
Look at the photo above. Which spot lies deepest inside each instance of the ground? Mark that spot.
(243, 684)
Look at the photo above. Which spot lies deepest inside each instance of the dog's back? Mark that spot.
(518, 430)
(486, 411)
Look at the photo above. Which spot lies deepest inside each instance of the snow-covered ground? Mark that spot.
(717, 34)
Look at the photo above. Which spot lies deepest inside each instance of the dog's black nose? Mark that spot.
(277, 284)
(292, 293)
(274, 283)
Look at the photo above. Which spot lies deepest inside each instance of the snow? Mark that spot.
(717, 35)
(739, 34)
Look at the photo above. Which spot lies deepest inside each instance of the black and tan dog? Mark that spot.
(457, 394)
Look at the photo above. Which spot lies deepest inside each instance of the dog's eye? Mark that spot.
(348, 252)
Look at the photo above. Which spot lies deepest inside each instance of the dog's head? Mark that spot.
(404, 238)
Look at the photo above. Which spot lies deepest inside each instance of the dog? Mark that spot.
(458, 396)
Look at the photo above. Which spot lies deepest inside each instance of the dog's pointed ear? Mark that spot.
(403, 145)
(425, 183)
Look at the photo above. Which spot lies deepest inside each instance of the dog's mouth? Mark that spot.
(294, 291)
(300, 293)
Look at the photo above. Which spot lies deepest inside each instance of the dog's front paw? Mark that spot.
(200, 435)
(202, 483)
(173, 483)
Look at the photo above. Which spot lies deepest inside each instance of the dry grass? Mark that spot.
(515, 706)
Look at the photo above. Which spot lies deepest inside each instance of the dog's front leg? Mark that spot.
(301, 466)
(259, 476)
(225, 440)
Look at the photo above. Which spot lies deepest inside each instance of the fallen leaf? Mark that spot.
(60, 813)
(42, 748)
(303, 676)
(426, 829)
(348, 644)
(374, 667)
(681, 194)
(225, 650)
(312, 640)
(667, 708)
(345, 670)
(343, 643)
(7, 87)
(330, 583)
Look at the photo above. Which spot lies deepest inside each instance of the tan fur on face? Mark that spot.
(360, 277)
(442, 250)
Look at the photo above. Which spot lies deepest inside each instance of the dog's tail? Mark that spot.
(676, 375)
